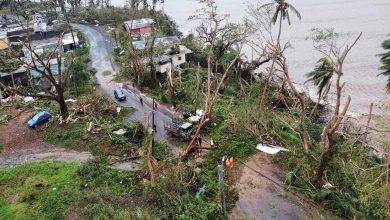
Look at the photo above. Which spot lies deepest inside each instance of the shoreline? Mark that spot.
(361, 66)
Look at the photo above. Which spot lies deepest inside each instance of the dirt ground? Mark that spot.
(16, 135)
(260, 198)
(22, 144)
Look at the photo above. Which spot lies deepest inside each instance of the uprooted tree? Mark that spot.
(336, 57)
(52, 83)
(214, 30)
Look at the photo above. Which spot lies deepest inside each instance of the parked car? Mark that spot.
(38, 119)
(119, 94)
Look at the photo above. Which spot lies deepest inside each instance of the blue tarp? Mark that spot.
(54, 70)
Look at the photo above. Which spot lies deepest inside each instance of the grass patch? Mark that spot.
(104, 142)
(67, 136)
(56, 190)
(162, 151)
(4, 118)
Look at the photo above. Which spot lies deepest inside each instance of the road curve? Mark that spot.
(102, 60)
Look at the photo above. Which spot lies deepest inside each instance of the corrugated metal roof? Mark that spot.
(136, 24)
(4, 44)
(53, 67)
(167, 41)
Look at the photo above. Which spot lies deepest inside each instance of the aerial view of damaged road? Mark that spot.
(194, 109)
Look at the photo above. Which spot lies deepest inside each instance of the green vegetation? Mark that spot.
(164, 188)
(162, 151)
(57, 190)
(10, 65)
(4, 118)
(82, 76)
(93, 129)
(385, 59)
(115, 16)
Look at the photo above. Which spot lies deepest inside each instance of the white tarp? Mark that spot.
(194, 118)
(119, 132)
(199, 112)
(270, 149)
(28, 99)
(70, 100)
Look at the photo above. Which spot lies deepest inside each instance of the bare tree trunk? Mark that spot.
(267, 82)
(197, 88)
(387, 171)
(280, 30)
(61, 102)
(152, 65)
(331, 131)
(368, 123)
(150, 162)
(1, 97)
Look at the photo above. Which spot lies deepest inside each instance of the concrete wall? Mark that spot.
(141, 31)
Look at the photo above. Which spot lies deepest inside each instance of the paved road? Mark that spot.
(101, 59)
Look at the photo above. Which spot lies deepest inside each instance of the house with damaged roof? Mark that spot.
(142, 27)
(172, 56)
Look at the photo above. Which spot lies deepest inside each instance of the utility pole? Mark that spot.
(153, 125)
(75, 85)
(67, 21)
(163, 5)
(197, 88)
(221, 170)
(1, 97)
(116, 41)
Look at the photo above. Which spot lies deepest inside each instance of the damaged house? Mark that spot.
(173, 55)
(142, 27)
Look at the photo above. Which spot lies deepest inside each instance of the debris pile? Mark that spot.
(96, 106)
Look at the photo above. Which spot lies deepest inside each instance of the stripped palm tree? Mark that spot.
(385, 60)
(282, 9)
(321, 76)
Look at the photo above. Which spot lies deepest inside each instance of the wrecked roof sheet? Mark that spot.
(171, 40)
(4, 44)
(53, 67)
(270, 149)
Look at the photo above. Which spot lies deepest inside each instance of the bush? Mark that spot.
(162, 151)
(135, 133)
(96, 174)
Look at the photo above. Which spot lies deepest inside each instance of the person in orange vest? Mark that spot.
(229, 162)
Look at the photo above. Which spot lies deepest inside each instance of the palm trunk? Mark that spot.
(280, 29)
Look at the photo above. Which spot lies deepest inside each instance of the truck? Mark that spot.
(180, 129)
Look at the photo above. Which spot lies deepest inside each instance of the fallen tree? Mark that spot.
(214, 29)
(330, 134)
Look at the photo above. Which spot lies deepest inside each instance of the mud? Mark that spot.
(260, 198)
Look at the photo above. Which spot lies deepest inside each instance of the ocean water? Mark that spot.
(372, 17)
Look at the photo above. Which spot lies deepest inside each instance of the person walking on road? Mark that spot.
(155, 128)
(140, 100)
